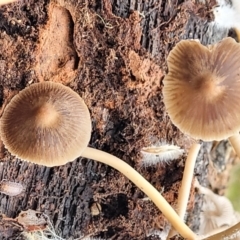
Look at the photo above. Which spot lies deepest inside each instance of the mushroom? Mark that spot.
(202, 89)
(49, 124)
(160, 152)
(202, 94)
(11, 188)
(217, 211)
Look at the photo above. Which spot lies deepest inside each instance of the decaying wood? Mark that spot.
(114, 55)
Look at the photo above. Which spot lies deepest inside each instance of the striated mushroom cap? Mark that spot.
(202, 89)
(47, 124)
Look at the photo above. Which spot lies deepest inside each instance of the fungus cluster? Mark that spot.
(202, 94)
(49, 124)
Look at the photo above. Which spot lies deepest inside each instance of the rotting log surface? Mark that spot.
(114, 55)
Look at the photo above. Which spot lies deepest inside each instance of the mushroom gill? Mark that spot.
(202, 89)
(46, 123)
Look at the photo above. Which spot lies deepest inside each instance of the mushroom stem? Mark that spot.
(187, 180)
(235, 142)
(144, 185)
(186, 183)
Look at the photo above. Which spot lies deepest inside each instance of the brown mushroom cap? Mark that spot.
(46, 123)
(202, 89)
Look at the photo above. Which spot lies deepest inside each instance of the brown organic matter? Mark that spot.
(56, 58)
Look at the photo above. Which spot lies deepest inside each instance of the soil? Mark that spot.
(113, 53)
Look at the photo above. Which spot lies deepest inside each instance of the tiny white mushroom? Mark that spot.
(160, 152)
(11, 188)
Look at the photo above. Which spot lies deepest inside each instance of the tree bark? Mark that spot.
(113, 53)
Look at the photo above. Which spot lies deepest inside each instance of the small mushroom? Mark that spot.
(202, 89)
(160, 152)
(46, 123)
(11, 188)
(49, 124)
(202, 94)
